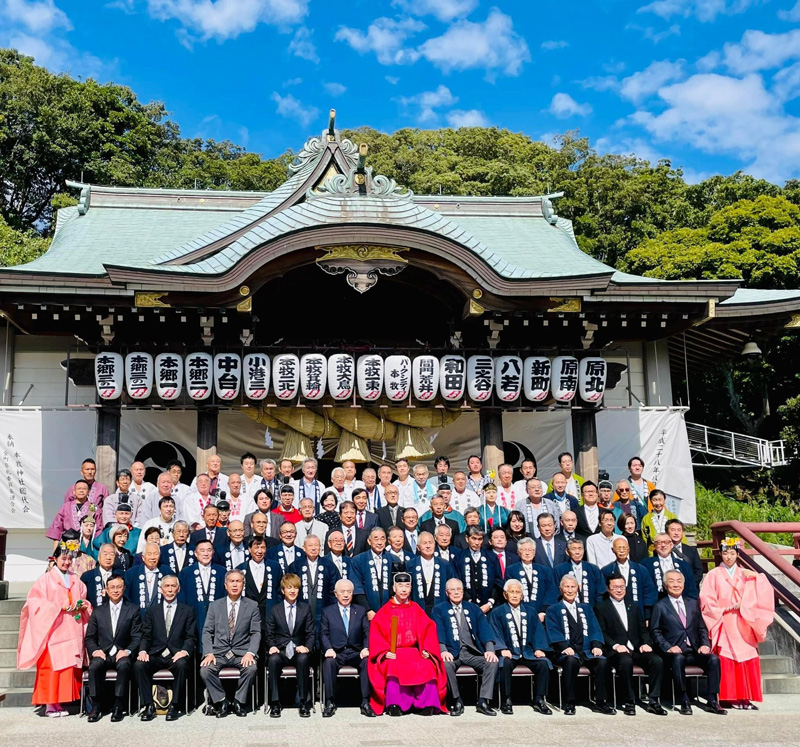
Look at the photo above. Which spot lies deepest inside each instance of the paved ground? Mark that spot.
(776, 723)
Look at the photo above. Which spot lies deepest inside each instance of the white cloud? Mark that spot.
(292, 82)
(563, 106)
(385, 37)
(646, 82)
(600, 83)
(37, 17)
(466, 118)
(628, 146)
(704, 10)
(793, 14)
(334, 89)
(425, 104)
(244, 136)
(614, 66)
(760, 51)
(392, 80)
(786, 83)
(554, 44)
(302, 46)
(59, 55)
(492, 45)
(444, 10)
(659, 36)
(288, 106)
(226, 19)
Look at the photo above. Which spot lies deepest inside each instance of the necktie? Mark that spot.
(502, 563)
(549, 552)
(290, 625)
(681, 613)
(169, 619)
(360, 519)
(210, 533)
(393, 511)
(346, 619)
(114, 618)
(349, 539)
(412, 540)
(232, 619)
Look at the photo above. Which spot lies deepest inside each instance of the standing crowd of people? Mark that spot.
(400, 574)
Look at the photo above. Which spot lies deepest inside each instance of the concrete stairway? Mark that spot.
(16, 687)
(777, 672)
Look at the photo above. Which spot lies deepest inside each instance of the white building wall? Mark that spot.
(628, 354)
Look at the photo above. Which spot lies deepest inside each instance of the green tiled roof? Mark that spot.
(757, 295)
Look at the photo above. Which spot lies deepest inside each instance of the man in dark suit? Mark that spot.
(95, 580)
(355, 539)
(286, 552)
(177, 555)
(551, 549)
(261, 576)
(682, 551)
(438, 506)
(231, 638)
(627, 642)
(499, 552)
(365, 519)
(588, 514)
(290, 636)
(396, 550)
(142, 582)
(410, 530)
(391, 515)
(112, 639)
(664, 560)
(211, 532)
(680, 633)
(345, 642)
(169, 638)
(264, 505)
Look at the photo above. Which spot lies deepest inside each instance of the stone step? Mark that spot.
(772, 664)
(17, 697)
(11, 606)
(9, 622)
(8, 657)
(10, 677)
(767, 648)
(9, 638)
(780, 683)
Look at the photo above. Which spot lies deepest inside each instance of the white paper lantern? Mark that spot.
(139, 375)
(286, 375)
(564, 378)
(169, 376)
(397, 377)
(508, 377)
(255, 373)
(536, 378)
(108, 369)
(341, 375)
(452, 377)
(199, 371)
(227, 375)
(480, 377)
(425, 377)
(592, 379)
(369, 373)
(313, 375)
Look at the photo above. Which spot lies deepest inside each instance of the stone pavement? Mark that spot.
(775, 724)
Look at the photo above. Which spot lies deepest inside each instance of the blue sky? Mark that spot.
(713, 85)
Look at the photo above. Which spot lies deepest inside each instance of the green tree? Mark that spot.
(19, 247)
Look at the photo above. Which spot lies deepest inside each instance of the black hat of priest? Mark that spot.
(287, 489)
(124, 507)
(223, 506)
(402, 578)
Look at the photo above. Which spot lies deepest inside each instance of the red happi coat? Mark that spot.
(416, 633)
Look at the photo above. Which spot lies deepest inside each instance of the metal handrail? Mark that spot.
(747, 531)
(739, 447)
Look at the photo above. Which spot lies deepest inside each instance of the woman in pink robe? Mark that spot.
(738, 606)
(51, 630)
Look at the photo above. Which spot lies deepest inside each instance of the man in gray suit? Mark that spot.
(231, 638)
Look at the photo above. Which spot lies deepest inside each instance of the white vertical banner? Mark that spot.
(21, 470)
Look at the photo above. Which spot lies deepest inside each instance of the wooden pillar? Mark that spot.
(108, 426)
(491, 427)
(207, 426)
(584, 437)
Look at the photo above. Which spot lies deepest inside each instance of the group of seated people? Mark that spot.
(302, 575)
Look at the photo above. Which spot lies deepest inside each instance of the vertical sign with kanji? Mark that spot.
(508, 377)
(397, 377)
(108, 369)
(341, 376)
(169, 375)
(564, 378)
(536, 378)
(256, 375)
(452, 377)
(139, 375)
(425, 377)
(480, 377)
(592, 379)
(313, 375)
(227, 375)
(21, 499)
(199, 375)
(369, 374)
(286, 376)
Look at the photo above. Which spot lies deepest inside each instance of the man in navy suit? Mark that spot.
(178, 554)
(202, 583)
(365, 519)
(211, 532)
(502, 556)
(678, 630)
(662, 561)
(591, 582)
(345, 642)
(551, 549)
(142, 582)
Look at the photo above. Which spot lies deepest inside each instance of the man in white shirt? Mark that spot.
(441, 466)
(338, 476)
(536, 504)
(196, 502)
(138, 485)
(250, 481)
(384, 477)
(528, 470)
(370, 484)
(179, 489)
(309, 525)
(598, 546)
(308, 486)
(148, 508)
(507, 496)
(350, 482)
(462, 497)
(405, 484)
(165, 521)
(217, 480)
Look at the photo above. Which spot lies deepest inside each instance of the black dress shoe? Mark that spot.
(94, 716)
(457, 709)
(655, 708)
(686, 708)
(540, 706)
(366, 710)
(394, 710)
(222, 709)
(330, 709)
(305, 711)
(605, 709)
(173, 713)
(117, 714)
(629, 709)
(240, 709)
(506, 707)
(569, 709)
(148, 713)
(275, 711)
(483, 707)
(713, 706)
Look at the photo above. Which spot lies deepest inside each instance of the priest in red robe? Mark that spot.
(405, 667)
